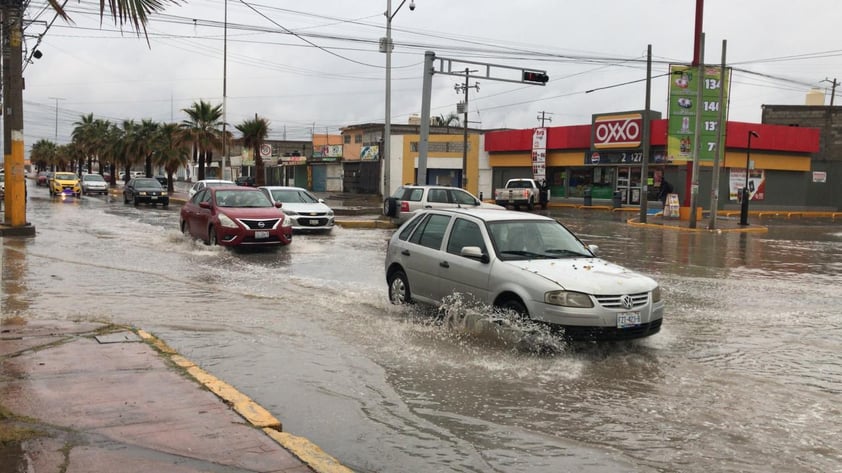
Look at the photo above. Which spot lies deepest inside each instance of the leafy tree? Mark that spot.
(130, 13)
(254, 135)
(202, 129)
(450, 119)
(171, 151)
(44, 154)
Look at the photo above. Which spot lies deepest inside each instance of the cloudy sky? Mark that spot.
(315, 65)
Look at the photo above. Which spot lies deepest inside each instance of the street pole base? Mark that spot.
(21, 230)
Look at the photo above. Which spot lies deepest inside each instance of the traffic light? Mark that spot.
(535, 77)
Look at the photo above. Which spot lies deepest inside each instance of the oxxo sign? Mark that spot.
(622, 131)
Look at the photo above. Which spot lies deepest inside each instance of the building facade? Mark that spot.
(779, 176)
(364, 167)
(827, 163)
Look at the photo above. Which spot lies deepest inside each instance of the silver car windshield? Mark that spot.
(293, 196)
(541, 239)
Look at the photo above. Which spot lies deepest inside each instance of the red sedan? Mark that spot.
(235, 216)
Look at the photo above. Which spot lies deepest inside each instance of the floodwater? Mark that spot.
(745, 375)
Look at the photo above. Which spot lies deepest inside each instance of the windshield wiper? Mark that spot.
(562, 252)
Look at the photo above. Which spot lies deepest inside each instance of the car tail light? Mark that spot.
(404, 206)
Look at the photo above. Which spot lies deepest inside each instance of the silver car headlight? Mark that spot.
(330, 213)
(226, 221)
(568, 299)
(291, 213)
(656, 294)
(287, 222)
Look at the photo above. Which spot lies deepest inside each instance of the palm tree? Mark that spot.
(126, 147)
(89, 134)
(451, 119)
(171, 151)
(145, 144)
(202, 129)
(254, 135)
(131, 13)
(43, 153)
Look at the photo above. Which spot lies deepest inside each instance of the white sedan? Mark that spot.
(529, 264)
(306, 211)
(205, 183)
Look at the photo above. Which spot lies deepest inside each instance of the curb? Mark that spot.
(751, 229)
(366, 224)
(253, 413)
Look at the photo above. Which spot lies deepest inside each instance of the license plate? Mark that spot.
(628, 319)
(260, 235)
(154, 197)
(314, 222)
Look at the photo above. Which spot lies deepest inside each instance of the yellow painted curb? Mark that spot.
(365, 224)
(752, 229)
(310, 453)
(252, 412)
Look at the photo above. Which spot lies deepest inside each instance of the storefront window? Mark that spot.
(599, 180)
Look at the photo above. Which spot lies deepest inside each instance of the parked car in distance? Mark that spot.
(163, 180)
(204, 183)
(43, 178)
(519, 192)
(65, 183)
(245, 181)
(93, 184)
(305, 211)
(145, 190)
(529, 264)
(408, 199)
(235, 216)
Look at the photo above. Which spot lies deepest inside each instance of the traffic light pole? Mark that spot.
(495, 72)
(15, 197)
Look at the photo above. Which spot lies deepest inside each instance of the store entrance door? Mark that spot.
(628, 185)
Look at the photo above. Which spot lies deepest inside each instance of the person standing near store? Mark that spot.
(665, 191)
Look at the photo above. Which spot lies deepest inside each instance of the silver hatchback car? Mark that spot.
(408, 199)
(530, 264)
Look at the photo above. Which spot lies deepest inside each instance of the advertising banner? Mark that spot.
(539, 154)
(756, 184)
(684, 83)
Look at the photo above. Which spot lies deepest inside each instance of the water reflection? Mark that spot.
(15, 295)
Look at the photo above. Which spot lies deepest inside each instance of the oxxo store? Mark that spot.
(606, 157)
(601, 159)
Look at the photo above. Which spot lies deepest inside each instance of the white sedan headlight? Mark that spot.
(568, 299)
(291, 213)
(226, 221)
(287, 222)
(656, 294)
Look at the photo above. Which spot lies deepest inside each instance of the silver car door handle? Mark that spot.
(444, 264)
(405, 252)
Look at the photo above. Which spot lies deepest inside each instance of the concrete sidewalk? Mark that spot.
(92, 397)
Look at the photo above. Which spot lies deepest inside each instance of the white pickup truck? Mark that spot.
(520, 192)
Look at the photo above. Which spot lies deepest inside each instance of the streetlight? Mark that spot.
(745, 193)
(386, 47)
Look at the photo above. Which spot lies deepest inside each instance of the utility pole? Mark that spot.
(832, 89)
(15, 198)
(543, 117)
(647, 124)
(224, 93)
(697, 142)
(56, 99)
(464, 87)
(720, 132)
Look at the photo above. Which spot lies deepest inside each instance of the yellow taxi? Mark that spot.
(65, 183)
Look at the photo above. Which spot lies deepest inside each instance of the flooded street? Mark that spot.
(745, 375)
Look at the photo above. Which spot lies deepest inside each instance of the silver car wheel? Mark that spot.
(399, 289)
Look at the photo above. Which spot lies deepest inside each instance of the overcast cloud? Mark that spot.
(781, 48)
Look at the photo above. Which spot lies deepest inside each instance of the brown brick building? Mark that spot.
(826, 164)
